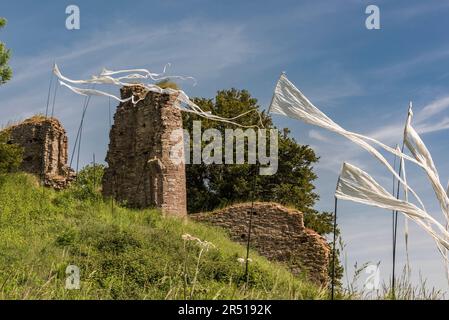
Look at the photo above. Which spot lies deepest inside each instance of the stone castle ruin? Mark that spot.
(140, 172)
(45, 154)
(277, 233)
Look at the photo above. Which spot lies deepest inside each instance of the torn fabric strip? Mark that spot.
(289, 101)
(358, 186)
(135, 77)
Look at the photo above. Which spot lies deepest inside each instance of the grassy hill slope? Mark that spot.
(121, 253)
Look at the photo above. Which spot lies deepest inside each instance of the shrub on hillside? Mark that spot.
(10, 154)
(88, 182)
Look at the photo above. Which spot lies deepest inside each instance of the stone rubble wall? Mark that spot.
(278, 233)
(45, 145)
(140, 172)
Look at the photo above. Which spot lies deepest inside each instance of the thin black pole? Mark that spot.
(79, 130)
(43, 150)
(113, 177)
(109, 108)
(79, 149)
(48, 95)
(395, 229)
(253, 197)
(334, 249)
(395, 213)
(113, 193)
(54, 100)
(95, 176)
(334, 244)
(393, 193)
(112, 202)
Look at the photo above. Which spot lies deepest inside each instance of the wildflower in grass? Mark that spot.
(188, 237)
(205, 245)
(243, 261)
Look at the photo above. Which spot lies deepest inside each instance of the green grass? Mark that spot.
(124, 254)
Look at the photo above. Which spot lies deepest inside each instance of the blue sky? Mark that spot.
(363, 79)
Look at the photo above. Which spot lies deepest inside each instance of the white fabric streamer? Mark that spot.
(289, 101)
(105, 77)
(136, 76)
(406, 228)
(422, 155)
(358, 186)
(420, 152)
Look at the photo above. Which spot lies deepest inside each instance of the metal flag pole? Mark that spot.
(395, 230)
(54, 100)
(109, 108)
(334, 244)
(253, 197)
(49, 94)
(395, 213)
(95, 173)
(393, 226)
(42, 174)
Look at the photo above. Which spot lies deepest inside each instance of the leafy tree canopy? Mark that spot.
(217, 185)
(5, 54)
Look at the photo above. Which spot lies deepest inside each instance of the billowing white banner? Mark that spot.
(289, 101)
(133, 77)
(358, 186)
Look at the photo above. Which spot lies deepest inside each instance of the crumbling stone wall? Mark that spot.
(278, 233)
(44, 142)
(140, 172)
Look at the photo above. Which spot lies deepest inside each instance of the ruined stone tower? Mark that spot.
(44, 143)
(140, 172)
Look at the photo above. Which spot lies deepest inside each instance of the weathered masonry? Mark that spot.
(44, 142)
(140, 172)
(278, 233)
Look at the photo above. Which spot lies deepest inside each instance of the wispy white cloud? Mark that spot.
(433, 108)
(389, 134)
(317, 135)
(199, 45)
(413, 63)
(200, 49)
(207, 50)
(414, 10)
(340, 87)
(426, 120)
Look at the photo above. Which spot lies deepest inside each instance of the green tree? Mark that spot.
(212, 186)
(5, 70)
(88, 182)
(216, 185)
(10, 154)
